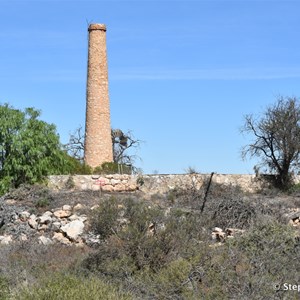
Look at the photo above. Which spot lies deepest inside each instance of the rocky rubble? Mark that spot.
(64, 225)
(68, 223)
(293, 217)
(220, 235)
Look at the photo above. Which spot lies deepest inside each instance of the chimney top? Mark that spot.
(97, 27)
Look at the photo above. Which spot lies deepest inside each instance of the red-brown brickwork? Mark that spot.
(98, 142)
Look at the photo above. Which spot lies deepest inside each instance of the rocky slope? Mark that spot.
(48, 216)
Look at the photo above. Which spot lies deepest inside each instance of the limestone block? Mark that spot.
(95, 207)
(56, 225)
(62, 214)
(32, 222)
(46, 218)
(67, 207)
(108, 188)
(119, 188)
(5, 239)
(131, 187)
(78, 206)
(24, 215)
(42, 227)
(59, 237)
(115, 181)
(44, 240)
(73, 229)
(73, 217)
(95, 187)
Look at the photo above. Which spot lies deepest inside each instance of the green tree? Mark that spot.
(276, 139)
(29, 148)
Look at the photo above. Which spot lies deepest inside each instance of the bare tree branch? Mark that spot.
(122, 144)
(276, 138)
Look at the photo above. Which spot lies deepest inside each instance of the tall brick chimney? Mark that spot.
(98, 142)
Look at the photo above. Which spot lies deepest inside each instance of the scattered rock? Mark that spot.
(151, 230)
(45, 218)
(56, 225)
(95, 207)
(59, 237)
(78, 207)
(24, 215)
(73, 229)
(42, 227)
(75, 217)
(218, 234)
(62, 213)
(67, 207)
(5, 239)
(44, 240)
(32, 221)
(230, 232)
(23, 237)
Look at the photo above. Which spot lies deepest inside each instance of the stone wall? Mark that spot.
(107, 183)
(164, 183)
(155, 184)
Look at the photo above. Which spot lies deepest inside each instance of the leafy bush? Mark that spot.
(30, 148)
(76, 166)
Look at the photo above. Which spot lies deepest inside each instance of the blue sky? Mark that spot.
(182, 74)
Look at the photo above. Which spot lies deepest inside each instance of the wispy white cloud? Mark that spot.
(161, 75)
(123, 0)
(206, 74)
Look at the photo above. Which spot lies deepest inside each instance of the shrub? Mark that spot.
(249, 266)
(76, 166)
(104, 219)
(68, 286)
(232, 211)
(70, 183)
(112, 168)
(41, 203)
(4, 288)
(30, 148)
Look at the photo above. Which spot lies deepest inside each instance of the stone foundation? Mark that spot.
(156, 184)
